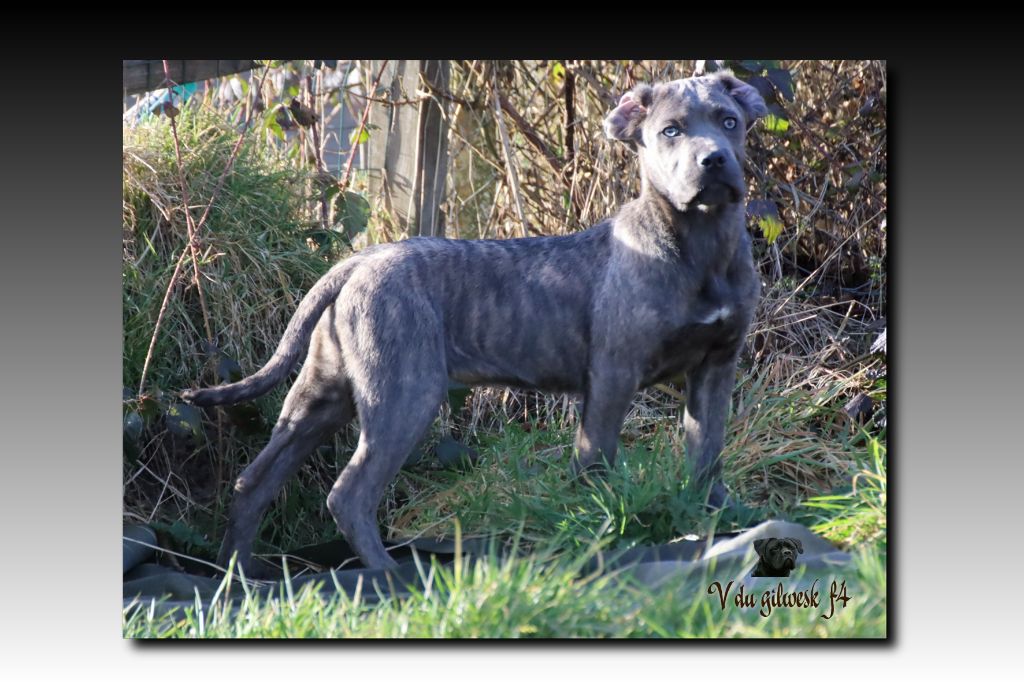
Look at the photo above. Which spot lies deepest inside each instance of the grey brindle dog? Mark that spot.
(664, 288)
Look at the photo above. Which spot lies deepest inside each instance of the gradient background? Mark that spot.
(956, 323)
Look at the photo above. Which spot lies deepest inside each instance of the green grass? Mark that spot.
(516, 597)
(546, 591)
(254, 240)
(857, 515)
(522, 480)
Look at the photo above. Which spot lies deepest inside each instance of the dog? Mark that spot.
(665, 288)
(777, 557)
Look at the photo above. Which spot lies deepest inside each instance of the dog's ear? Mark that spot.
(746, 96)
(799, 545)
(624, 121)
(760, 545)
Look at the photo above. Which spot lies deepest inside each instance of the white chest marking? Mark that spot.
(720, 313)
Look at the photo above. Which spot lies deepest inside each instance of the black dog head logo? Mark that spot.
(777, 556)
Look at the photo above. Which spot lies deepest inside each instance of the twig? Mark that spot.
(317, 155)
(606, 97)
(198, 226)
(526, 129)
(362, 126)
(531, 136)
(422, 95)
(509, 165)
(570, 140)
(189, 224)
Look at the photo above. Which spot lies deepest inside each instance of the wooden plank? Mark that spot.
(432, 152)
(408, 149)
(143, 75)
(392, 147)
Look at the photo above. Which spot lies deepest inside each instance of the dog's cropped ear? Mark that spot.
(760, 545)
(799, 545)
(746, 96)
(625, 120)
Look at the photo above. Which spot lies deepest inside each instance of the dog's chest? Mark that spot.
(700, 327)
(716, 305)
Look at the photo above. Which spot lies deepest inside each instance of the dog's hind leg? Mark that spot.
(318, 405)
(407, 394)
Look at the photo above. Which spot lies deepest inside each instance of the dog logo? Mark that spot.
(777, 557)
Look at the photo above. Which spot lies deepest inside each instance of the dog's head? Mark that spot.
(779, 553)
(690, 136)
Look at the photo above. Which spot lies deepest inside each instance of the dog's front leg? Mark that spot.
(608, 396)
(708, 394)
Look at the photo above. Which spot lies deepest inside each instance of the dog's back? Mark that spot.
(514, 312)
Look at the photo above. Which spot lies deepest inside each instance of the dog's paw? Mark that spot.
(451, 454)
(590, 473)
(718, 497)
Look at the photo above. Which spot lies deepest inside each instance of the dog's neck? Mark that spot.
(661, 230)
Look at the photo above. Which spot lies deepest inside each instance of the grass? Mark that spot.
(519, 492)
(538, 596)
(255, 240)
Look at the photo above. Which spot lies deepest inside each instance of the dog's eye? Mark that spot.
(671, 131)
(729, 123)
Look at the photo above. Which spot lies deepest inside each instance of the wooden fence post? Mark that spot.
(408, 150)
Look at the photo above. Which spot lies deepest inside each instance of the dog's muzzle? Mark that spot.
(720, 181)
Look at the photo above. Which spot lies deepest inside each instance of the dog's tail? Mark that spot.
(292, 344)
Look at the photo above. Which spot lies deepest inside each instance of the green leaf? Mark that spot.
(763, 86)
(776, 124)
(364, 136)
(182, 534)
(270, 123)
(557, 73)
(770, 228)
(331, 190)
(150, 406)
(765, 215)
(131, 432)
(353, 213)
(133, 426)
(183, 421)
(782, 79)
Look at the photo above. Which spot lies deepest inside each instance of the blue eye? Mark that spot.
(729, 123)
(671, 131)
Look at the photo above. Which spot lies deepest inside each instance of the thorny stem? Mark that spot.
(362, 125)
(193, 228)
(189, 223)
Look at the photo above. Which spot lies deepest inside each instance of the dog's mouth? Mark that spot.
(716, 193)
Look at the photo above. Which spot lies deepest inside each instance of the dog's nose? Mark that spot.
(713, 159)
